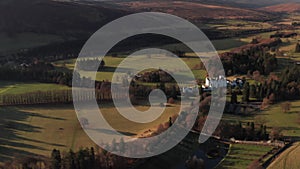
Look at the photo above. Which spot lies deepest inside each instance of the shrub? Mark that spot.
(286, 106)
(171, 100)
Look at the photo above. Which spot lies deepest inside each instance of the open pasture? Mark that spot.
(241, 155)
(9, 87)
(288, 121)
(112, 63)
(37, 130)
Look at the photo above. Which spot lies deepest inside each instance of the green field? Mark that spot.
(274, 117)
(248, 39)
(239, 25)
(227, 44)
(220, 44)
(241, 155)
(113, 62)
(8, 87)
(35, 130)
(32, 130)
(289, 159)
(287, 121)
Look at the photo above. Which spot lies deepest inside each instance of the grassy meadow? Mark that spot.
(241, 155)
(113, 62)
(192, 60)
(9, 87)
(37, 130)
(287, 121)
(274, 117)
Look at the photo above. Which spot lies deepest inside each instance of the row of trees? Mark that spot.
(102, 92)
(155, 76)
(49, 53)
(139, 90)
(84, 159)
(41, 72)
(57, 96)
(44, 73)
(88, 158)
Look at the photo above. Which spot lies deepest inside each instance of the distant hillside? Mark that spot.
(195, 10)
(250, 3)
(235, 3)
(53, 17)
(287, 7)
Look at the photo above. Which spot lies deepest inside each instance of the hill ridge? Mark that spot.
(283, 7)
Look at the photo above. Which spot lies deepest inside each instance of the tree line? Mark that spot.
(40, 72)
(255, 58)
(85, 158)
(49, 53)
(44, 73)
(249, 131)
(58, 96)
(274, 88)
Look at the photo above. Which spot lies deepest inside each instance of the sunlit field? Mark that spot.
(37, 130)
(8, 87)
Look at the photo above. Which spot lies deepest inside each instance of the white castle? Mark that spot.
(210, 83)
(214, 82)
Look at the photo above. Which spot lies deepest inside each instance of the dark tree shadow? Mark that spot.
(12, 122)
(106, 131)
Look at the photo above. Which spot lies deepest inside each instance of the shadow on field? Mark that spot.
(12, 122)
(106, 131)
(113, 69)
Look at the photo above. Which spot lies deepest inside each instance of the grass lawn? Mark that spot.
(31, 130)
(287, 121)
(275, 117)
(8, 87)
(241, 155)
(289, 159)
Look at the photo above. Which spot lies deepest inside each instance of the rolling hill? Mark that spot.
(287, 7)
(236, 3)
(195, 10)
(250, 3)
(53, 17)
